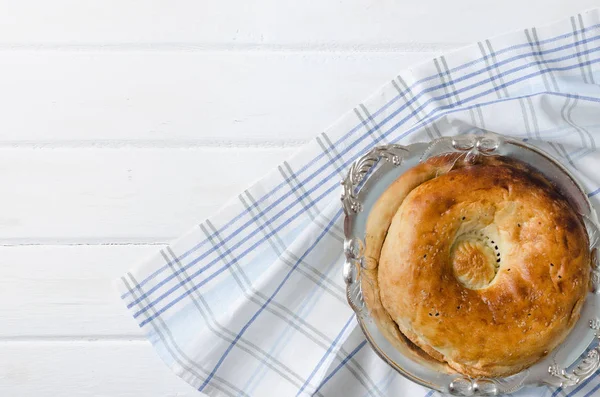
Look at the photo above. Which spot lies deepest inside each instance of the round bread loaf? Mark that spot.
(485, 267)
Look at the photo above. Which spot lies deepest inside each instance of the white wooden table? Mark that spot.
(125, 122)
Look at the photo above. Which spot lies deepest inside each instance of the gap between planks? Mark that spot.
(91, 242)
(157, 144)
(411, 47)
(50, 339)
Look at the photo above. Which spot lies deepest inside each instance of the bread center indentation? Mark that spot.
(474, 262)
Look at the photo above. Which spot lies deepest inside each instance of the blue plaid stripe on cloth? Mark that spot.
(251, 302)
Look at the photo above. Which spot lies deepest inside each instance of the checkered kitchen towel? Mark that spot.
(251, 302)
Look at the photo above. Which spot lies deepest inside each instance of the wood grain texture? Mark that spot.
(121, 195)
(66, 292)
(183, 98)
(86, 369)
(231, 23)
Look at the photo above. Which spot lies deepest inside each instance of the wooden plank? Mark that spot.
(272, 22)
(65, 291)
(84, 369)
(115, 195)
(194, 97)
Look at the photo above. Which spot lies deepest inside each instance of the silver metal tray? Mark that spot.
(368, 178)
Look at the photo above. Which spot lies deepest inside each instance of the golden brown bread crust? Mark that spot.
(484, 267)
